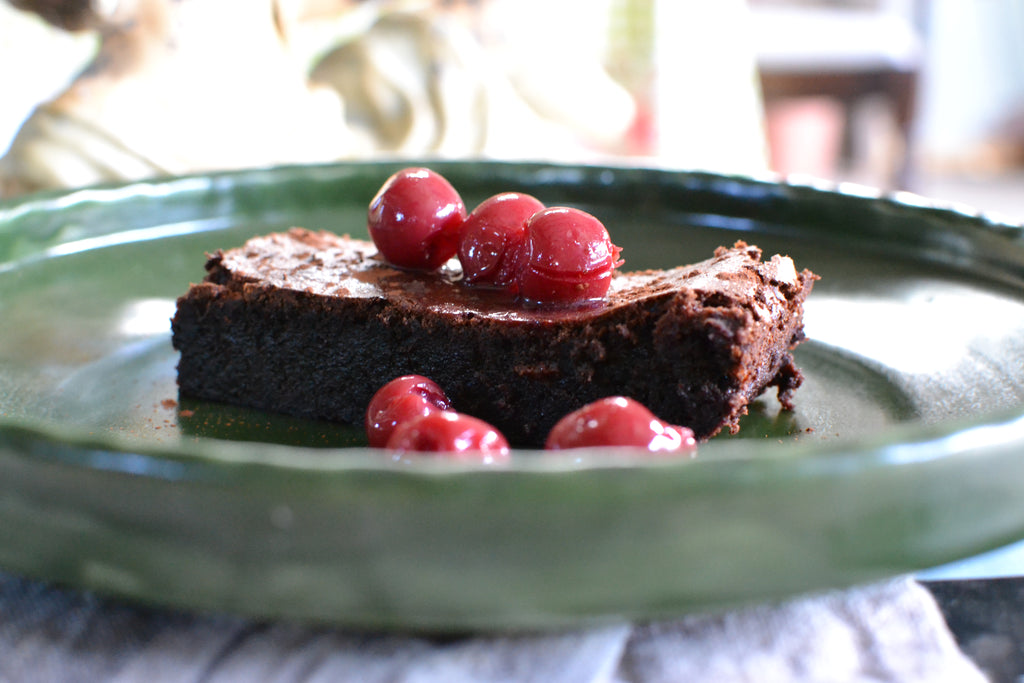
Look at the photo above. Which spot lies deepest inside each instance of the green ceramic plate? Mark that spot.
(906, 449)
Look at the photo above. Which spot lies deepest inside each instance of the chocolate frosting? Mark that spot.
(325, 264)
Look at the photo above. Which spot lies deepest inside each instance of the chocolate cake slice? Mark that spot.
(312, 324)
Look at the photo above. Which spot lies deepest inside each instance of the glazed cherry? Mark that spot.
(619, 421)
(568, 258)
(400, 400)
(415, 219)
(462, 436)
(492, 239)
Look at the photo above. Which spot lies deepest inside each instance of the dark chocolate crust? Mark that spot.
(312, 324)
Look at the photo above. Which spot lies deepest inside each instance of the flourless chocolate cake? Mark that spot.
(312, 324)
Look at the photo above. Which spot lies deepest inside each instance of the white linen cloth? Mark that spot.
(891, 631)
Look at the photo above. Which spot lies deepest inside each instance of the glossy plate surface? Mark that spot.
(906, 448)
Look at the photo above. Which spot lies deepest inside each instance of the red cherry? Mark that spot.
(568, 257)
(415, 219)
(398, 401)
(462, 436)
(492, 238)
(618, 421)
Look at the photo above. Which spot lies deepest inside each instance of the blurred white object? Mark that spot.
(182, 86)
(553, 55)
(836, 37)
(416, 83)
(171, 91)
(47, 60)
(707, 102)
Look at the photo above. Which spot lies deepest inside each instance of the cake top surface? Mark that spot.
(326, 264)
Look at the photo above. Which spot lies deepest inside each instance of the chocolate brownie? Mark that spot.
(312, 324)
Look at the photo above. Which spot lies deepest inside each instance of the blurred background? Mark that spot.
(918, 95)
